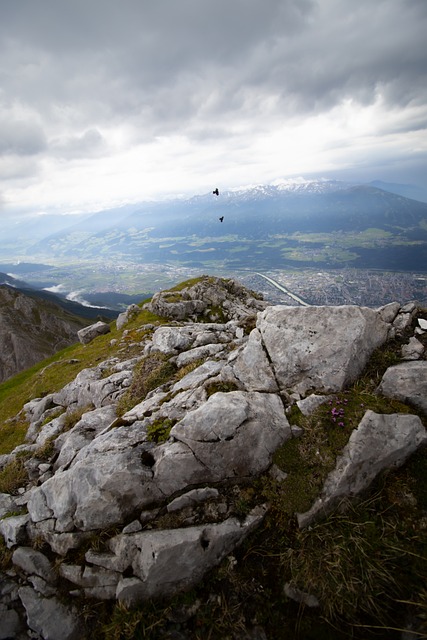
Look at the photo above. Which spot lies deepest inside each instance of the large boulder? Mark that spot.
(87, 334)
(320, 348)
(164, 562)
(381, 441)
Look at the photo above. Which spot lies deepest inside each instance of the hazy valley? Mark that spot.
(294, 232)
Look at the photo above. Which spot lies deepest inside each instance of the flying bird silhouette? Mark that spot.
(216, 192)
(221, 218)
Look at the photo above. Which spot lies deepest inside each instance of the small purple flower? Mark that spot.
(340, 424)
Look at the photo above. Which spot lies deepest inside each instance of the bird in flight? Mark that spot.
(221, 218)
(216, 192)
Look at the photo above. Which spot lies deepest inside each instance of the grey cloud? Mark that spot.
(89, 144)
(20, 137)
(157, 63)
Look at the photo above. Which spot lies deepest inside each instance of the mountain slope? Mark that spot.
(31, 330)
(260, 229)
(70, 306)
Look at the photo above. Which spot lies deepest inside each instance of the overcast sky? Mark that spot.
(104, 102)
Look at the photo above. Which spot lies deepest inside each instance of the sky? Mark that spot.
(105, 102)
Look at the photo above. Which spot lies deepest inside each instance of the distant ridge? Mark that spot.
(31, 329)
(70, 306)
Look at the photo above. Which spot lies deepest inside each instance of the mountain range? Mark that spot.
(327, 222)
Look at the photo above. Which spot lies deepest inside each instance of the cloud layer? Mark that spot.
(103, 102)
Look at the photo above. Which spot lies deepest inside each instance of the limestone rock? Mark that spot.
(379, 442)
(96, 582)
(234, 434)
(402, 322)
(91, 424)
(406, 382)
(209, 297)
(37, 407)
(100, 489)
(320, 348)
(90, 387)
(164, 562)
(311, 403)
(193, 497)
(7, 504)
(199, 376)
(123, 318)
(389, 311)
(34, 562)
(14, 530)
(251, 366)
(198, 353)
(87, 334)
(49, 617)
(413, 350)
(172, 340)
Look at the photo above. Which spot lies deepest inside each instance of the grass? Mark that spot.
(188, 283)
(13, 476)
(152, 372)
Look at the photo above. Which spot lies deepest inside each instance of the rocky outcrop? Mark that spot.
(166, 471)
(31, 329)
(87, 334)
(211, 297)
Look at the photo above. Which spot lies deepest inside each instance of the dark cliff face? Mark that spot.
(31, 330)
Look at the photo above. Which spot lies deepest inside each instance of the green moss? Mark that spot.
(55, 414)
(220, 387)
(159, 430)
